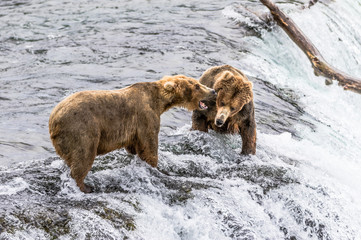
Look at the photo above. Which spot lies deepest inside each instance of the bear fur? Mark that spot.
(90, 123)
(232, 110)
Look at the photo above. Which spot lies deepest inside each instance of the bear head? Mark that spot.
(233, 92)
(186, 92)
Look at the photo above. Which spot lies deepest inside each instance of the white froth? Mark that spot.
(13, 186)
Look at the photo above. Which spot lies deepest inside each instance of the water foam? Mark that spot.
(13, 186)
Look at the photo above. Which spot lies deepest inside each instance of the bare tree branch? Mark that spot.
(320, 66)
(311, 3)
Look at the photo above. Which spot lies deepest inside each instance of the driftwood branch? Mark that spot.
(320, 66)
(311, 3)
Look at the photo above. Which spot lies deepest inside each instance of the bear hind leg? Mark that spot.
(79, 174)
(81, 164)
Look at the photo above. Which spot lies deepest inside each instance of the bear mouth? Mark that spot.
(202, 105)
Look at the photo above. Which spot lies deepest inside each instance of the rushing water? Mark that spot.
(304, 182)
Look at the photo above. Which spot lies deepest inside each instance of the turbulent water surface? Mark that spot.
(304, 182)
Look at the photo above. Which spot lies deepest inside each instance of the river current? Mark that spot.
(303, 183)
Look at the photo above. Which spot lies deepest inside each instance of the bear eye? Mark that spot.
(232, 109)
(198, 87)
(222, 104)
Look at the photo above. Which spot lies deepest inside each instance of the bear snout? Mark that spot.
(209, 91)
(219, 122)
(221, 117)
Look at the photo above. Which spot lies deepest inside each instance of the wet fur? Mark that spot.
(90, 123)
(234, 90)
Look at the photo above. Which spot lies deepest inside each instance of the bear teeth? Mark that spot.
(202, 105)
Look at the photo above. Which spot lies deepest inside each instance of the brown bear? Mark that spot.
(90, 123)
(232, 110)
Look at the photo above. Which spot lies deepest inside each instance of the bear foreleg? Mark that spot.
(147, 150)
(248, 134)
(199, 122)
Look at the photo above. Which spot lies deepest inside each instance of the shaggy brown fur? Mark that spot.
(90, 123)
(232, 111)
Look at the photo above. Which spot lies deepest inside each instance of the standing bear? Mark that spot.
(90, 123)
(232, 110)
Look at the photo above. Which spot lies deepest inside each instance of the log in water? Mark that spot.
(319, 64)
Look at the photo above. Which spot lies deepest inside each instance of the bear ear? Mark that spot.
(249, 92)
(250, 84)
(222, 80)
(226, 75)
(217, 86)
(169, 86)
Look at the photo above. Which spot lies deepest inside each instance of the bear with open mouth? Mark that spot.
(90, 123)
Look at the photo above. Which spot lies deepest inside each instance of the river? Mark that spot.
(303, 183)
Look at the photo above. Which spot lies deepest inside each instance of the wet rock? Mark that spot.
(117, 218)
